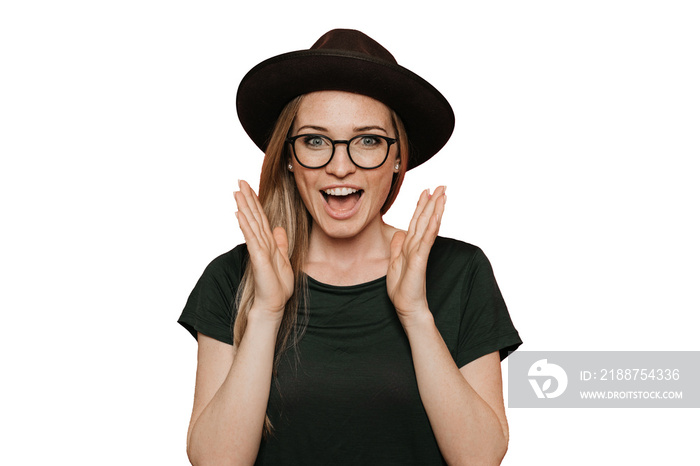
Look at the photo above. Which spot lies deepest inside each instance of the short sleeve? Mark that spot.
(210, 306)
(485, 325)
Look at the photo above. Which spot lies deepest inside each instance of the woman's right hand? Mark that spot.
(268, 250)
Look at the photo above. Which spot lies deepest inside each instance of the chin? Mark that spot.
(340, 229)
(343, 229)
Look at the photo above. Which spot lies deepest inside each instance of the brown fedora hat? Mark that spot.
(346, 60)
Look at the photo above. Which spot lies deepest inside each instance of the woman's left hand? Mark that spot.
(405, 279)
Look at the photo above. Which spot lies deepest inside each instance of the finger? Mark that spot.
(430, 206)
(431, 231)
(254, 207)
(249, 234)
(249, 196)
(259, 210)
(280, 236)
(259, 245)
(440, 207)
(422, 201)
(438, 198)
(244, 210)
(424, 219)
(396, 245)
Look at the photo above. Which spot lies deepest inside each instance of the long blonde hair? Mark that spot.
(285, 208)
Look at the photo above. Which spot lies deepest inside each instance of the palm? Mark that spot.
(274, 278)
(409, 255)
(405, 277)
(268, 250)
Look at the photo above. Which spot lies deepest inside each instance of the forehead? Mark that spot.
(341, 109)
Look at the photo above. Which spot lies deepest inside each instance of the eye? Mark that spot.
(314, 141)
(367, 141)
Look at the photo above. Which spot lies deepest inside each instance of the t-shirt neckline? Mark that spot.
(367, 284)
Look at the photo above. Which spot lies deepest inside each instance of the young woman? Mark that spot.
(330, 337)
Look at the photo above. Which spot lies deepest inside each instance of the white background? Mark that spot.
(574, 165)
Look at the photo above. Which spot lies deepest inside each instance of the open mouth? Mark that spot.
(342, 199)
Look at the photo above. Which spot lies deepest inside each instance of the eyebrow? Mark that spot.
(369, 128)
(356, 129)
(315, 128)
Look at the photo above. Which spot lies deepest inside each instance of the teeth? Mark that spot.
(340, 191)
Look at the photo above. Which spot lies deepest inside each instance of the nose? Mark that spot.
(340, 165)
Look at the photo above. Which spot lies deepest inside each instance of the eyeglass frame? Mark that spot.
(292, 139)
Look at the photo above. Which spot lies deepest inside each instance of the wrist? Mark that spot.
(417, 319)
(264, 317)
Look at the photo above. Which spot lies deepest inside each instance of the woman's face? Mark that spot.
(343, 199)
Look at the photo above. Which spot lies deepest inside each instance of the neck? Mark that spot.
(372, 242)
(346, 261)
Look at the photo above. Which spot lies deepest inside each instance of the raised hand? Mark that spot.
(272, 272)
(405, 277)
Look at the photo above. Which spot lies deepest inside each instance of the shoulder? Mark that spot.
(456, 264)
(465, 299)
(453, 253)
(209, 308)
(224, 273)
(231, 263)
(451, 245)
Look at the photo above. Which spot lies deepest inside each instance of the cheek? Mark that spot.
(304, 186)
(383, 184)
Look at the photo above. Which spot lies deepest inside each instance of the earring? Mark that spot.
(290, 167)
(396, 166)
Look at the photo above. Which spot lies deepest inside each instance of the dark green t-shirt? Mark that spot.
(348, 395)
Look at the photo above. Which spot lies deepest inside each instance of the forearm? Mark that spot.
(467, 429)
(229, 429)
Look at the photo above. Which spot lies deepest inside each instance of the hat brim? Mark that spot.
(267, 88)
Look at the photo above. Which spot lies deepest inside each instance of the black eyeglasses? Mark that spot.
(366, 151)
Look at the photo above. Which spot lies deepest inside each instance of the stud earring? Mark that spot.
(396, 166)
(290, 167)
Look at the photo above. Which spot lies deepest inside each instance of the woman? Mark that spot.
(330, 337)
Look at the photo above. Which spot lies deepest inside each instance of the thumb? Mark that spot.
(280, 236)
(396, 244)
